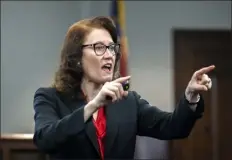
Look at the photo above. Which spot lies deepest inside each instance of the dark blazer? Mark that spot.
(60, 130)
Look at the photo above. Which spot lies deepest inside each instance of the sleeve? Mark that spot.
(51, 131)
(153, 122)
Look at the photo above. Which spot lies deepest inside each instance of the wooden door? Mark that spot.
(211, 138)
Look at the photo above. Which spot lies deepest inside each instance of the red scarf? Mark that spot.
(100, 124)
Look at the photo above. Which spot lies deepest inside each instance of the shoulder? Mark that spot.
(133, 95)
(43, 94)
(45, 91)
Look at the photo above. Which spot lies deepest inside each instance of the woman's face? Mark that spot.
(98, 61)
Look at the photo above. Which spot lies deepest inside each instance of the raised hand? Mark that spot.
(111, 89)
(200, 81)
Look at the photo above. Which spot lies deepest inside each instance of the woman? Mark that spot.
(87, 114)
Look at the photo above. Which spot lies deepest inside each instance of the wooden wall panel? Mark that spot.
(19, 147)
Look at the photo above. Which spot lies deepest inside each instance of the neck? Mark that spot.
(90, 89)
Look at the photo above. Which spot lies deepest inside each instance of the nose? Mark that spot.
(108, 54)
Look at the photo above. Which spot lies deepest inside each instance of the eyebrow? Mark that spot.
(103, 42)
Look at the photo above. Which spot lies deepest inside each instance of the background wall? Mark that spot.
(32, 33)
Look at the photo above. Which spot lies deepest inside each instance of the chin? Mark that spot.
(106, 79)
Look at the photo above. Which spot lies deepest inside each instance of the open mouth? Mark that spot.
(107, 67)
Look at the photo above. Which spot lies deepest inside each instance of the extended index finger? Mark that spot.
(204, 70)
(122, 79)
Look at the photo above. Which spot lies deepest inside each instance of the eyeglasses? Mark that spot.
(100, 48)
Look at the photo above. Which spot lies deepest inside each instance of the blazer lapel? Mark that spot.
(91, 132)
(111, 127)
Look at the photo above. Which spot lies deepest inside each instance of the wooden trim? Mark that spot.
(17, 136)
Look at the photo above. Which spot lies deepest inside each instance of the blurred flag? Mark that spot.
(118, 14)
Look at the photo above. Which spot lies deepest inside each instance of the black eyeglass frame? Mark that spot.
(106, 47)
